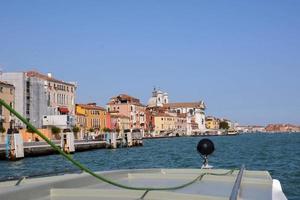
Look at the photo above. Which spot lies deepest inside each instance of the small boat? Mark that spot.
(232, 132)
(204, 183)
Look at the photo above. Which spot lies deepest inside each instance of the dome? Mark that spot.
(159, 92)
(152, 102)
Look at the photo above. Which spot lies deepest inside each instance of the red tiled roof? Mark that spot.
(91, 107)
(125, 97)
(45, 77)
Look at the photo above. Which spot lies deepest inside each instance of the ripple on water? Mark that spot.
(279, 154)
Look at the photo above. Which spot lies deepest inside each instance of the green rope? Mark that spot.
(99, 177)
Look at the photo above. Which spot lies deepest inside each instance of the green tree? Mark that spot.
(2, 129)
(76, 129)
(224, 125)
(56, 131)
(106, 130)
(91, 130)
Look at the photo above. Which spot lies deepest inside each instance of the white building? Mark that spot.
(194, 111)
(38, 95)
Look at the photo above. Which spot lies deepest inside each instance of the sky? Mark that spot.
(241, 57)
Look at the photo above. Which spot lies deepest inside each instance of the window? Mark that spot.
(48, 102)
(1, 89)
(11, 91)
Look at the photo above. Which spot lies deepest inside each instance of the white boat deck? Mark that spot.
(254, 185)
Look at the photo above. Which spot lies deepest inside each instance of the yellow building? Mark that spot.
(212, 123)
(7, 93)
(90, 116)
(164, 123)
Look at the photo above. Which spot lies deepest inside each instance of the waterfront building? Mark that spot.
(195, 112)
(39, 95)
(119, 122)
(91, 118)
(256, 128)
(282, 128)
(18, 80)
(181, 124)
(164, 124)
(212, 123)
(7, 93)
(130, 107)
(81, 123)
(243, 129)
(108, 120)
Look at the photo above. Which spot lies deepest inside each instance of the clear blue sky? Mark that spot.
(241, 57)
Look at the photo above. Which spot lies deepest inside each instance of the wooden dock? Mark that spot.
(42, 148)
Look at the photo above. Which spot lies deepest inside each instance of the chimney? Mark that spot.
(49, 75)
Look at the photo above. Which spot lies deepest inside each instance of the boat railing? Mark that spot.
(237, 185)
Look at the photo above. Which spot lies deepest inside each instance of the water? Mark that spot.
(277, 153)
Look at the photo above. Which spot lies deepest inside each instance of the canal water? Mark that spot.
(277, 153)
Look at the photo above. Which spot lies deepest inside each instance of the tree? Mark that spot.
(56, 131)
(106, 130)
(75, 130)
(2, 129)
(224, 125)
(91, 130)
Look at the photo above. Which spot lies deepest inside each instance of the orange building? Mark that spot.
(91, 117)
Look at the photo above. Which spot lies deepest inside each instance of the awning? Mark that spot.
(63, 110)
